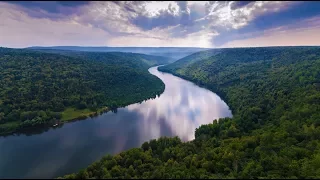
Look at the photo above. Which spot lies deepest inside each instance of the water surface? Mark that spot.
(177, 112)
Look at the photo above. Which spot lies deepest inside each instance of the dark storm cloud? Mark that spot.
(185, 18)
(166, 18)
(298, 12)
(163, 21)
(49, 9)
(239, 4)
(49, 6)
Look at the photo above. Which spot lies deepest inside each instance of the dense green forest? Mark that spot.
(38, 88)
(274, 93)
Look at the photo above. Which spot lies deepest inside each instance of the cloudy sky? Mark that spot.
(160, 23)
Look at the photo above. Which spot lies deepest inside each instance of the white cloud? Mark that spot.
(111, 23)
(224, 16)
(155, 8)
(301, 33)
(107, 16)
(199, 39)
(201, 3)
(90, 28)
(181, 114)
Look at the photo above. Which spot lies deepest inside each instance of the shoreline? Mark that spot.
(87, 115)
(16, 129)
(202, 85)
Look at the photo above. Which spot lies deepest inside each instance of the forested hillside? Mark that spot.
(274, 93)
(184, 62)
(134, 60)
(174, 53)
(38, 88)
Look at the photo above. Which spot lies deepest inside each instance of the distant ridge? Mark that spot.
(172, 52)
(112, 47)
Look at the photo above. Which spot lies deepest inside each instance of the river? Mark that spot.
(178, 111)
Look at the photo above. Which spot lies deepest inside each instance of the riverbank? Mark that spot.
(68, 115)
(71, 114)
(86, 141)
(211, 88)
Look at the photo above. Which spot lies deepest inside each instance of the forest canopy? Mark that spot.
(274, 94)
(37, 87)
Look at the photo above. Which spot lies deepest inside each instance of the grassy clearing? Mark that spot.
(10, 124)
(73, 113)
(68, 115)
(8, 127)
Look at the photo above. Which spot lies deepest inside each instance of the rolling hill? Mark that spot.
(174, 53)
(134, 59)
(38, 87)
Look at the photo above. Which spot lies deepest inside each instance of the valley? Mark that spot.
(160, 90)
(274, 96)
(69, 147)
(183, 130)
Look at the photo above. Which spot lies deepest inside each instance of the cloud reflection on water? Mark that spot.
(183, 107)
(177, 112)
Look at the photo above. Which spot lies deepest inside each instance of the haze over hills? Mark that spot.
(173, 52)
(135, 58)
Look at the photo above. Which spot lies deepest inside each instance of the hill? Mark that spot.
(38, 88)
(174, 53)
(134, 59)
(274, 93)
(198, 56)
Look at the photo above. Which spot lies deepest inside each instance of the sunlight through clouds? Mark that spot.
(143, 23)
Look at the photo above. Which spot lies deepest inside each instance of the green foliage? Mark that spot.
(134, 60)
(274, 94)
(36, 87)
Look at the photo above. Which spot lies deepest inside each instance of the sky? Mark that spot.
(210, 24)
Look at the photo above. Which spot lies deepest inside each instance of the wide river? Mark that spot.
(179, 110)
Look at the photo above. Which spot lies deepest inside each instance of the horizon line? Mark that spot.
(29, 47)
